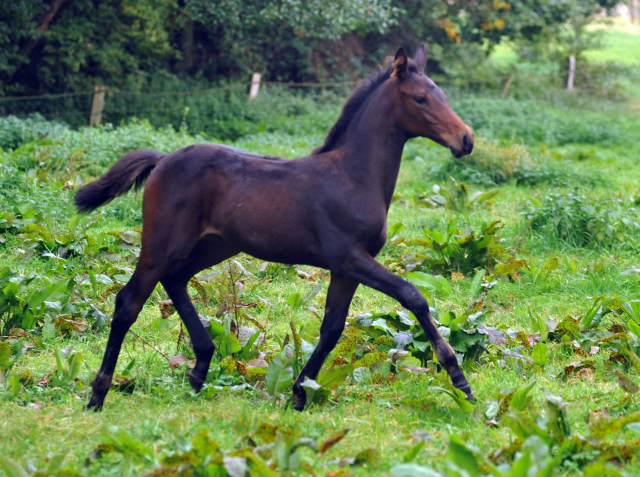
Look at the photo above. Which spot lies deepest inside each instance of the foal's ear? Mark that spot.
(400, 64)
(420, 57)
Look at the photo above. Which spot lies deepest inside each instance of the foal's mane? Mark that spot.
(351, 108)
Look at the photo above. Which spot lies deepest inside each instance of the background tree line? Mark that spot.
(49, 46)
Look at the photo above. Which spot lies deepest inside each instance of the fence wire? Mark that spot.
(218, 103)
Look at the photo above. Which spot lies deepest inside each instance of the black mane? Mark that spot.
(351, 107)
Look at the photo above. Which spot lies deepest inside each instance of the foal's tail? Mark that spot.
(132, 170)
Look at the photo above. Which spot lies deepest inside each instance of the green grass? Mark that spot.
(622, 44)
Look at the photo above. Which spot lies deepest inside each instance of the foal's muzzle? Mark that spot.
(467, 147)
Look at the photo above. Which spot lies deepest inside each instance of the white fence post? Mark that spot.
(572, 72)
(255, 85)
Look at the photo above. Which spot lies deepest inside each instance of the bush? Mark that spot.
(581, 221)
(532, 121)
(492, 165)
(15, 131)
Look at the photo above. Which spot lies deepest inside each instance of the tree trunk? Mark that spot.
(186, 46)
(45, 21)
(43, 26)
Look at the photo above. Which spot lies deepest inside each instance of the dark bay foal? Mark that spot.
(205, 203)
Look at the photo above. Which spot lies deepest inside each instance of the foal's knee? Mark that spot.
(125, 313)
(413, 300)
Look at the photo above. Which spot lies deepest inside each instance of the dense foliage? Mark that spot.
(71, 45)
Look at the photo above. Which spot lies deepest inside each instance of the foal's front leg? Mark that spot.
(364, 269)
(339, 297)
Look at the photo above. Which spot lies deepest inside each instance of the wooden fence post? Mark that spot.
(255, 85)
(97, 106)
(572, 72)
(507, 85)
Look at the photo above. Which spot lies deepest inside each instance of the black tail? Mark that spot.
(132, 170)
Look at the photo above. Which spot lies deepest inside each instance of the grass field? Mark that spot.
(551, 338)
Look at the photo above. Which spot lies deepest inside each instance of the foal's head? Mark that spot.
(424, 110)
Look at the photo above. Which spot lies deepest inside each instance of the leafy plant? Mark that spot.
(581, 221)
(492, 164)
(457, 198)
(267, 452)
(458, 252)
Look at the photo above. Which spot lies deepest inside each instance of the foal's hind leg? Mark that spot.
(339, 297)
(208, 252)
(362, 267)
(129, 302)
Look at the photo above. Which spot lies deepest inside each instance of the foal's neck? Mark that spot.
(373, 148)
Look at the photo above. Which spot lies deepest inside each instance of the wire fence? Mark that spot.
(207, 106)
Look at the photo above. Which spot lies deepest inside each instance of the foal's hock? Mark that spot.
(205, 203)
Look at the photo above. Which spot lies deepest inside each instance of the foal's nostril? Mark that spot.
(467, 145)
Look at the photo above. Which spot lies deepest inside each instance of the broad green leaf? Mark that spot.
(245, 353)
(600, 469)
(39, 298)
(419, 279)
(551, 264)
(634, 426)
(483, 196)
(14, 384)
(475, 285)
(56, 462)
(279, 375)
(334, 376)
(462, 457)
(413, 470)
(75, 364)
(521, 398)
(393, 230)
(73, 222)
(540, 354)
(412, 453)
(295, 300)
(59, 368)
(12, 468)
(634, 327)
(229, 344)
(457, 395)
(633, 309)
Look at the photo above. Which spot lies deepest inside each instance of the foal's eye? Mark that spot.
(420, 100)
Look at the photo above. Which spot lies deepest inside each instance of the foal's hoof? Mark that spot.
(298, 402)
(468, 393)
(94, 404)
(196, 382)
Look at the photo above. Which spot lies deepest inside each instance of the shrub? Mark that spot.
(491, 165)
(15, 131)
(581, 221)
(457, 252)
